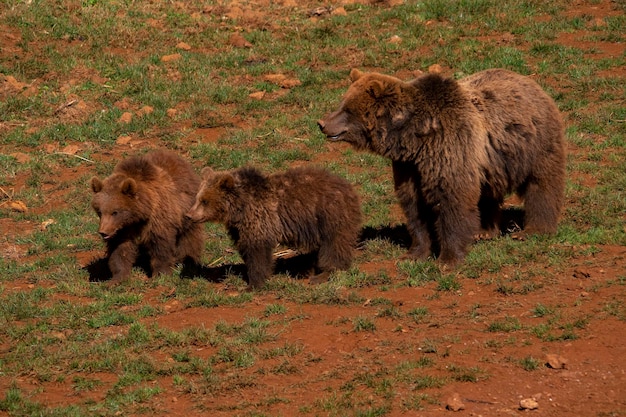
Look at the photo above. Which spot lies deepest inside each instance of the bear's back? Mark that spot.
(309, 182)
(507, 97)
(524, 125)
(162, 169)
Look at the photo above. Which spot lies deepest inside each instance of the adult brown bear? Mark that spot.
(142, 207)
(305, 208)
(457, 149)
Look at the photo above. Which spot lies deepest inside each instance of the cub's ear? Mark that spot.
(355, 74)
(226, 182)
(206, 171)
(96, 185)
(129, 187)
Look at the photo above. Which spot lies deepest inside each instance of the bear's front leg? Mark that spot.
(259, 263)
(122, 257)
(406, 181)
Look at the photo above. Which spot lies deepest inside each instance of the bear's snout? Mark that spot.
(193, 215)
(333, 125)
(104, 235)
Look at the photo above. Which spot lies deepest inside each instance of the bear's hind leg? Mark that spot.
(333, 254)
(490, 216)
(542, 206)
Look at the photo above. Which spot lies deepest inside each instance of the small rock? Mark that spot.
(171, 58)
(257, 95)
(275, 78)
(44, 225)
(528, 404)
(435, 69)
(126, 117)
(238, 41)
(454, 403)
(184, 46)
(18, 206)
(171, 113)
(555, 361)
(145, 110)
(71, 149)
(123, 140)
(290, 83)
(395, 39)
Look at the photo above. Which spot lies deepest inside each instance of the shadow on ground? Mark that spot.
(301, 265)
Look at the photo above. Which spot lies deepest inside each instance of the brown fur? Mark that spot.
(142, 206)
(303, 208)
(457, 149)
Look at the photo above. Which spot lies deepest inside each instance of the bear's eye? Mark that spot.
(114, 213)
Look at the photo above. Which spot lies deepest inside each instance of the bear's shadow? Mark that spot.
(300, 266)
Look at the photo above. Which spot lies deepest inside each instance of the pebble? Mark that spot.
(528, 404)
(454, 403)
(555, 361)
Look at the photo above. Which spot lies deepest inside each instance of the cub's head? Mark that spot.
(115, 202)
(373, 105)
(212, 203)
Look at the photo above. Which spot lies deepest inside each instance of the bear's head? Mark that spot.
(379, 113)
(115, 202)
(212, 201)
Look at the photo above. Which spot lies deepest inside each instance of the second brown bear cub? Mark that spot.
(304, 208)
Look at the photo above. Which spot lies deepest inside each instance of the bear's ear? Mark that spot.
(376, 89)
(96, 185)
(227, 182)
(355, 74)
(206, 171)
(129, 187)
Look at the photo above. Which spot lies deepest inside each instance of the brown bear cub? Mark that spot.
(304, 208)
(142, 207)
(457, 149)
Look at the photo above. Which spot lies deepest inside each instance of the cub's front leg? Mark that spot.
(122, 257)
(259, 263)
